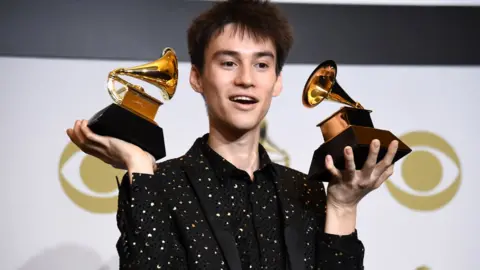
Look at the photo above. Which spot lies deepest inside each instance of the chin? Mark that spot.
(244, 123)
(244, 126)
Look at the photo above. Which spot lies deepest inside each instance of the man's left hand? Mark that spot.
(349, 186)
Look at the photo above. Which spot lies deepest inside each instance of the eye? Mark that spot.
(262, 65)
(228, 64)
(429, 177)
(87, 181)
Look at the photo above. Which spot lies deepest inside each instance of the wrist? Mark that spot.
(140, 163)
(340, 220)
(341, 209)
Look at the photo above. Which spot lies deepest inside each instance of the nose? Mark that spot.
(244, 77)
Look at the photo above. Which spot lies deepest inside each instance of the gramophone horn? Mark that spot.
(322, 85)
(271, 148)
(162, 73)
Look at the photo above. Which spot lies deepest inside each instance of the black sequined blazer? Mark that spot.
(166, 221)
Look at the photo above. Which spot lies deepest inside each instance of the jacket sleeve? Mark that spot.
(332, 252)
(343, 252)
(148, 239)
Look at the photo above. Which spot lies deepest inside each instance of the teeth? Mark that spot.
(242, 98)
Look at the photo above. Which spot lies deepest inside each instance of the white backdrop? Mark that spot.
(48, 226)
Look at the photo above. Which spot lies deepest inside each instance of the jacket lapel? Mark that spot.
(199, 173)
(294, 222)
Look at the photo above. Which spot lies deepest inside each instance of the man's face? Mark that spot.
(238, 79)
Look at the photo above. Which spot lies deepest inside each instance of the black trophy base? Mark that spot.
(120, 123)
(359, 138)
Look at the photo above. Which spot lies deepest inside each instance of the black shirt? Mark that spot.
(251, 209)
(199, 212)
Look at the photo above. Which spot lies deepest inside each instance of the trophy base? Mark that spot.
(359, 138)
(120, 123)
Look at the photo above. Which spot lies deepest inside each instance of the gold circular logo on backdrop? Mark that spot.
(97, 176)
(422, 171)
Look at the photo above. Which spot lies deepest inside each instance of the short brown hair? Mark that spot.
(261, 19)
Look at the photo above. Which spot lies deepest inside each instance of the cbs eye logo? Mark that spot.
(88, 181)
(431, 172)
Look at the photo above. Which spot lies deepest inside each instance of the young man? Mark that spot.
(224, 204)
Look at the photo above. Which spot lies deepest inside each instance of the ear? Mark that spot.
(278, 87)
(195, 80)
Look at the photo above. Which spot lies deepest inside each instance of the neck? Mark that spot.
(240, 149)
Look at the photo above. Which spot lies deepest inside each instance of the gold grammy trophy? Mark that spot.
(131, 116)
(350, 126)
(277, 154)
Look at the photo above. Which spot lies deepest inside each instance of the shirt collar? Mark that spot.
(225, 170)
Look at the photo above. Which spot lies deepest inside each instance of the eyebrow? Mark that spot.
(236, 54)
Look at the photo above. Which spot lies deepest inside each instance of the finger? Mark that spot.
(387, 160)
(69, 132)
(392, 150)
(349, 162)
(91, 136)
(372, 158)
(72, 133)
(74, 138)
(331, 167)
(384, 176)
(77, 130)
(98, 146)
(79, 138)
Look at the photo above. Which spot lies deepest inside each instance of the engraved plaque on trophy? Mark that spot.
(131, 116)
(350, 126)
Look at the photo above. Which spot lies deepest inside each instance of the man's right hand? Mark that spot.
(118, 153)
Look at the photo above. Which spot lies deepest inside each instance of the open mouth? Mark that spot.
(244, 99)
